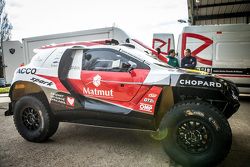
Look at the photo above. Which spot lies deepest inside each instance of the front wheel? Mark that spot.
(33, 119)
(198, 135)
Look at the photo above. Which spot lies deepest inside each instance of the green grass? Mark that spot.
(5, 90)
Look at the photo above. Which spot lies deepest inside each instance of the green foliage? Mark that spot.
(5, 24)
(5, 90)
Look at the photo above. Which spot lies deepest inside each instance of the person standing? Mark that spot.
(172, 60)
(188, 61)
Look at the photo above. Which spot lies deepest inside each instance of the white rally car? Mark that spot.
(119, 86)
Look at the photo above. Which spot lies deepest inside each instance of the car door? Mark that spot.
(107, 75)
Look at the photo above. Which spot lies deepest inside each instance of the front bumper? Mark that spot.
(232, 95)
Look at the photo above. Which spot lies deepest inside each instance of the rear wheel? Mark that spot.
(33, 119)
(197, 134)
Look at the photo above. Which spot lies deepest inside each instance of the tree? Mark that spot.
(5, 33)
(5, 24)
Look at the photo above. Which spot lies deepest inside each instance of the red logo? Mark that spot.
(70, 101)
(162, 44)
(207, 43)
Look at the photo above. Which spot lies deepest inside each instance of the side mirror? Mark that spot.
(132, 66)
(129, 65)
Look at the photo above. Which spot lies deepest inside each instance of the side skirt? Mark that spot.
(133, 120)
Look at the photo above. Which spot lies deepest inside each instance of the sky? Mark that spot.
(138, 18)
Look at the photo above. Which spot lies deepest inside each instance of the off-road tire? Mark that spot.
(33, 119)
(200, 124)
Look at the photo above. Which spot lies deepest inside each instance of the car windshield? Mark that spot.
(145, 57)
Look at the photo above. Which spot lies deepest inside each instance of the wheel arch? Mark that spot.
(165, 103)
(23, 88)
(213, 96)
(173, 95)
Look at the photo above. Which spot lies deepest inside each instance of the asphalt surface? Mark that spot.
(78, 145)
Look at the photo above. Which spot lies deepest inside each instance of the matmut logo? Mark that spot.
(97, 80)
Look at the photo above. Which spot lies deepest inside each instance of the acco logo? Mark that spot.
(27, 71)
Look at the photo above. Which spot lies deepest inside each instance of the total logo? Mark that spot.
(146, 107)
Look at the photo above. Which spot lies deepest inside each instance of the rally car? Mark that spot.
(122, 87)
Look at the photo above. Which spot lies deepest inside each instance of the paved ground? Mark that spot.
(4, 98)
(78, 145)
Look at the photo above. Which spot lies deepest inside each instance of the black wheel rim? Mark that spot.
(31, 119)
(193, 136)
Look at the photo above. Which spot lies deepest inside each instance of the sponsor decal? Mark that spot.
(190, 82)
(146, 107)
(26, 71)
(70, 101)
(152, 95)
(215, 124)
(97, 80)
(74, 68)
(36, 80)
(196, 113)
(62, 101)
(55, 64)
(98, 92)
(148, 100)
(58, 98)
(208, 70)
(243, 71)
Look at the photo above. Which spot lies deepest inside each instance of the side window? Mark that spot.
(103, 60)
(53, 60)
